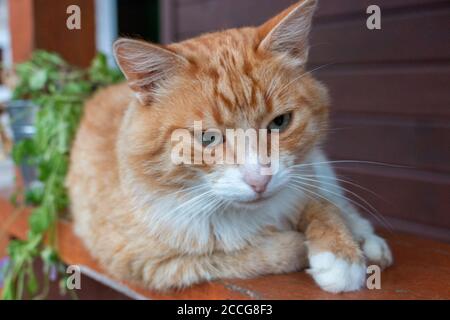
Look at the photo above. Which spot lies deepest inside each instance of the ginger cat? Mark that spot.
(164, 225)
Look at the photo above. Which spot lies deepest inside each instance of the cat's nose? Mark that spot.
(257, 182)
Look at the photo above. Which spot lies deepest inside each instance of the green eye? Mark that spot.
(211, 138)
(280, 123)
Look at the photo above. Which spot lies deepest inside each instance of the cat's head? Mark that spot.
(249, 78)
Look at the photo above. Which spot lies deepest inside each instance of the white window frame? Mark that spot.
(5, 36)
(106, 27)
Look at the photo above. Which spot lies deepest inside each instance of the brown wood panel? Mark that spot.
(342, 42)
(419, 143)
(398, 90)
(21, 20)
(406, 194)
(196, 17)
(167, 21)
(408, 37)
(332, 8)
(428, 231)
(326, 8)
(3, 246)
(51, 33)
(193, 17)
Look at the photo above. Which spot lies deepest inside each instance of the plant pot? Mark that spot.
(22, 115)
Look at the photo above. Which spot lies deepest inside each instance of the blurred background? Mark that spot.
(389, 87)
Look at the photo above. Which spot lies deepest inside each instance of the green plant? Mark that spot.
(60, 91)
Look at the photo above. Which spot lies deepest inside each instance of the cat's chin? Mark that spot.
(253, 203)
(256, 202)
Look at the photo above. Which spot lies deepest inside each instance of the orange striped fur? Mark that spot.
(169, 226)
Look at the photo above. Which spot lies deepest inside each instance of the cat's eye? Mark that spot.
(211, 138)
(280, 123)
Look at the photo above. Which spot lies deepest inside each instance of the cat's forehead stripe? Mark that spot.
(239, 82)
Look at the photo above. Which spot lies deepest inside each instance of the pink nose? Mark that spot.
(257, 182)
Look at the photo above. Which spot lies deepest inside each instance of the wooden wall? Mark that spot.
(21, 21)
(390, 91)
(41, 24)
(76, 46)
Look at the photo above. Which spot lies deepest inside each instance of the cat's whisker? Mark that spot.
(215, 208)
(284, 88)
(331, 178)
(226, 205)
(331, 129)
(207, 210)
(308, 193)
(213, 204)
(350, 162)
(272, 87)
(194, 200)
(374, 213)
(189, 189)
(341, 188)
(305, 190)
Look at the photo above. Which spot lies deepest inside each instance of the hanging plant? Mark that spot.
(59, 90)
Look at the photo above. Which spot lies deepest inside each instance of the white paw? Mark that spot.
(335, 274)
(377, 251)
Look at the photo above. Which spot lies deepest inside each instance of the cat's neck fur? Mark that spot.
(196, 225)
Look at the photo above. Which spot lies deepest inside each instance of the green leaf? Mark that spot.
(49, 256)
(8, 291)
(21, 150)
(34, 195)
(60, 91)
(63, 286)
(20, 285)
(32, 283)
(38, 80)
(40, 220)
(48, 58)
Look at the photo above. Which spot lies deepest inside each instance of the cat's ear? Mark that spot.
(146, 66)
(288, 32)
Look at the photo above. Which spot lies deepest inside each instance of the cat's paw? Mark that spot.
(377, 251)
(334, 274)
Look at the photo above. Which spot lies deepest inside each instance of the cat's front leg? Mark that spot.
(271, 253)
(336, 261)
(374, 247)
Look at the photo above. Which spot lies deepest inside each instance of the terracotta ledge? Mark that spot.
(421, 271)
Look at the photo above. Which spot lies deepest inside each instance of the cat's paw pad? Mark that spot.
(335, 274)
(377, 251)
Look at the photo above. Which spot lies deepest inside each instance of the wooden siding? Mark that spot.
(21, 22)
(51, 33)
